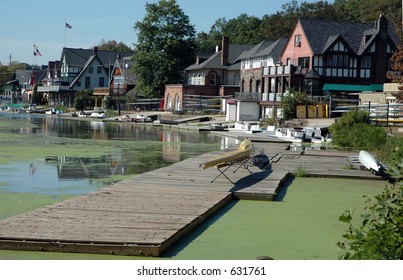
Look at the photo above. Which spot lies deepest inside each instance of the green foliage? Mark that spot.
(83, 99)
(246, 29)
(166, 47)
(112, 45)
(380, 235)
(369, 10)
(354, 131)
(301, 172)
(7, 73)
(392, 151)
(290, 102)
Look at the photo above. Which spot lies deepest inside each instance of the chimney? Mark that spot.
(381, 56)
(95, 50)
(382, 24)
(224, 50)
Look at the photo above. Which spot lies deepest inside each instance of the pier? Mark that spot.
(150, 212)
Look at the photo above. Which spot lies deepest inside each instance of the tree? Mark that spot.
(112, 45)
(83, 99)
(397, 75)
(166, 46)
(290, 102)
(354, 131)
(369, 10)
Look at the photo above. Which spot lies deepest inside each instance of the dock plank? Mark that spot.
(148, 213)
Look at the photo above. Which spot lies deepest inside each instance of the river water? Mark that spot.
(44, 160)
(53, 155)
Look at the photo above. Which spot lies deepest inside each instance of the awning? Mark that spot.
(355, 88)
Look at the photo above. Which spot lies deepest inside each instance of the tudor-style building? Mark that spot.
(325, 57)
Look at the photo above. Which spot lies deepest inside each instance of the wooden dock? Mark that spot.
(150, 212)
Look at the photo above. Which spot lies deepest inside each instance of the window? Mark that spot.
(212, 79)
(101, 82)
(297, 40)
(303, 62)
(177, 103)
(87, 82)
(91, 69)
(99, 69)
(366, 62)
(237, 78)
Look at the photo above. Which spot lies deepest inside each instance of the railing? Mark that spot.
(277, 70)
(101, 91)
(386, 113)
(52, 88)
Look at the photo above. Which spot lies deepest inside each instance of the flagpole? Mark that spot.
(65, 34)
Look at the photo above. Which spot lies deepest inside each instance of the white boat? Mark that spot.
(369, 161)
(142, 118)
(98, 115)
(240, 127)
(294, 135)
(318, 140)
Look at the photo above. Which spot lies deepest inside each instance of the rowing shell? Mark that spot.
(369, 161)
(244, 151)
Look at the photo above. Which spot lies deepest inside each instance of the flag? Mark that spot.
(32, 80)
(68, 26)
(36, 51)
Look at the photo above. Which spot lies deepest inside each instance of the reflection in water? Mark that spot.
(109, 150)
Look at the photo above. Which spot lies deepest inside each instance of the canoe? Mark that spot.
(369, 161)
(244, 151)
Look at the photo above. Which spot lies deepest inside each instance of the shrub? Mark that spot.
(354, 131)
(380, 235)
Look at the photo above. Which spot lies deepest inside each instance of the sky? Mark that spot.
(42, 23)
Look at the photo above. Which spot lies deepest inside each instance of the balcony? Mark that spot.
(53, 89)
(101, 91)
(277, 70)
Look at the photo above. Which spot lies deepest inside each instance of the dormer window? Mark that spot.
(297, 40)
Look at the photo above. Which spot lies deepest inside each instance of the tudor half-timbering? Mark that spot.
(327, 57)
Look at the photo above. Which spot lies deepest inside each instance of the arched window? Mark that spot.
(237, 78)
(243, 85)
(212, 79)
(258, 86)
(177, 103)
(169, 104)
(250, 85)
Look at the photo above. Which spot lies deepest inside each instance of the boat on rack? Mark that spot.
(369, 161)
(243, 152)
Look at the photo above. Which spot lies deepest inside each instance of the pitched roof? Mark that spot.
(126, 66)
(256, 50)
(79, 57)
(321, 34)
(87, 64)
(214, 61)
(23, 76)
(275, 49)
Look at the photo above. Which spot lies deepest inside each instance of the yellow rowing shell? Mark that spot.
(244, 151)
